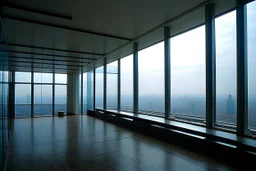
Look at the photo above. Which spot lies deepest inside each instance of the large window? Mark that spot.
(22, 94)
(251, 27)
(43, 94)
(85, 93)
(112, 73)
(188, 83)
(22, 100)
(60, 93)
(99, 88)
(151, 79)
(90, 90)
(80, 93)
(60, 98)
(226, 68)
(42, 100)
(126, 74)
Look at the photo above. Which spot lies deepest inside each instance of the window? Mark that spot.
(60, 98)
(99, 88)
(24, 77)
(126, 74)
(251, 27)
(90, 90)
(80, 93)
(42, 100)
(43, 78)
(226, 69)
(23, 100)
(85, 93)
(112, 74)
(151, 79)
(188, 98)
(61, 78)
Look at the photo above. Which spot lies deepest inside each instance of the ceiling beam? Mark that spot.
(47, 54)
(54, 60)
(38, 11)
(61, 50)
(43, 63)
(16, 66)
(65, 27)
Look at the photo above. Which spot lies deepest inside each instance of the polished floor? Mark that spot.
(86, 143)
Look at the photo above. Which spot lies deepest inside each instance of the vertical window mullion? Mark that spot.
(105, 83)
(242, 88)
(210, 66)
(118, 85)
(167, 72)
(135, 78)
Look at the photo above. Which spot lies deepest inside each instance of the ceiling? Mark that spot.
(66, 35)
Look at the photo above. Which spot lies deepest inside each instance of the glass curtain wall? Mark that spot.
(99, 88)
(4, 112)
(42, 100)
(188, 82)
(112, 74)
(151, 79)
(60, 93)
(80, 93)
(23, 100)
(85, 93)
(251, 38)
(90, 90)
(126, 83)
(22, 94)
(226, 69)
(43, 83)
(43, 94)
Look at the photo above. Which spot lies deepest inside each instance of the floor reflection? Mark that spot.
(86, 143)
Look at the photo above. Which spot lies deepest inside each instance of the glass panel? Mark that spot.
(24, 77)
(99, 88)
(5, 76)
(79, 93)
(112, 74)
(43, 78)
(188, 98)
(61, 78)
(126, 75)
(22, 100)
(226, 68)
(42, 100)
(60, 98)
(90, 89)
(85, 93)
(151, 79)
(251, 15)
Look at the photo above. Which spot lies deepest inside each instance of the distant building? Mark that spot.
(230, 105)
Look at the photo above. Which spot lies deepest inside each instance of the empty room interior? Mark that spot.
(127, 85)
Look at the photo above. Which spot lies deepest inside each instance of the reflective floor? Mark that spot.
(86, 143)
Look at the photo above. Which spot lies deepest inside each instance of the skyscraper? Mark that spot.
(230, 105)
